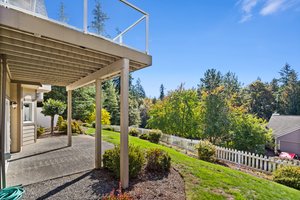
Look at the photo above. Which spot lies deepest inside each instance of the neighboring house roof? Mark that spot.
(284, 124)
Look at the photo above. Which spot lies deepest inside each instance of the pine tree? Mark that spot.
(162, 92)
(99, 18)
(111, 103)
(62, 15)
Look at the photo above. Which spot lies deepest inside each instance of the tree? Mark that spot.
(212, 79)
(162, 92)
(177, 113)
(83, 100)
(144, 111)
(62, 15)
(105, 117)
(285, 74)
(111, 103)
(261, 101)
(290, 96)
(99, 18)
(215, 116)
(231, 84)
(139, 91)
(249, 133)
(51, 108)
(134, 113)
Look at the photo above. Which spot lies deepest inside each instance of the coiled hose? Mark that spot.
(12, 193)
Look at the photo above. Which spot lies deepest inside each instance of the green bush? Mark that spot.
(93, 124)
(108, 128)
(206, 151)
(144, 136)
(76, 128)
(111, 160)
(40, 131)
(154, 136)
(158, 160)
(288, 175)
(134, 132)
(60, 121)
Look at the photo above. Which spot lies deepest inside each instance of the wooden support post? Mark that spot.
(124, 159)
(98, 133)
(3, 74)
(69, 118)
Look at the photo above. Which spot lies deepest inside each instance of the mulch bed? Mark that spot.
(98, 183)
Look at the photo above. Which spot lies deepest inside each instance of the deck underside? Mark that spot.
(42, 51)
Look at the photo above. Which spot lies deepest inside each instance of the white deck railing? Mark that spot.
(30, 7)
(240, 158)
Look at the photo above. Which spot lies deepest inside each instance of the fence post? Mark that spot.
(265, 163)
(253, 160)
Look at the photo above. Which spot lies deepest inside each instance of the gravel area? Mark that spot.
(95, 184)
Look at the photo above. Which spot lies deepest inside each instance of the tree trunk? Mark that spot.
(52, 125)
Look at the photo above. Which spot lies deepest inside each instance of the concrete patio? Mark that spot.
(51, 158)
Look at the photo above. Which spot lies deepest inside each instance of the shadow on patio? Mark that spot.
(50, 158)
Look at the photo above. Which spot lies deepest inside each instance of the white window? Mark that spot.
(28, 112)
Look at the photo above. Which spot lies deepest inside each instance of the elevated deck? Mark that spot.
(47, 52)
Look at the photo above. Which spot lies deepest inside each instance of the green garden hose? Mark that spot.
(12, 193)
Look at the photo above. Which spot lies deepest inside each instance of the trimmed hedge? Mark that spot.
(134, 132)
(154, 136)
(288, 175)
(206, 151)
(158, 160)
(111, 160)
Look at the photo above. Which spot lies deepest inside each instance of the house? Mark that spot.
(286, 131)
(36, 51)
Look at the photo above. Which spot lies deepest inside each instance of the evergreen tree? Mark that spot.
(212, 79)
(62, 15)
(111, 103)
(261, 101)
(285, 74)
(162, 92)
(99, 18)
(134, 112)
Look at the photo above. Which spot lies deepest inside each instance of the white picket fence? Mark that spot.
(240, 158)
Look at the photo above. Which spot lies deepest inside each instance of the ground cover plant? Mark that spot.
(205, 180)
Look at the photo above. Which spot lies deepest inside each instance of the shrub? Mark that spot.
(134, 132)
(154, 136)
(59, 122)
(144, 136)
(75, 127)
(93, 124)
(111, 160)
(40, 131)
(108, 128)
(158, 160)
(288, 175)
(206, 151)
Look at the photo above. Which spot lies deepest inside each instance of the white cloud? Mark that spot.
(265, 7)
(247, 6)
(272, 6)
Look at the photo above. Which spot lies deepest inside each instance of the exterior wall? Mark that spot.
(16, 118)
(44, 121)
(28, 127)
(290, 142)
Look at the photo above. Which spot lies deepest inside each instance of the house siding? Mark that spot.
(290, 142)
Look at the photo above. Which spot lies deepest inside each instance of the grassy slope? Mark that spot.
(204, 180)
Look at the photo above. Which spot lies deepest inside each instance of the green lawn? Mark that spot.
(204, 180)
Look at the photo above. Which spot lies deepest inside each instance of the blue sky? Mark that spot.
(253, 38)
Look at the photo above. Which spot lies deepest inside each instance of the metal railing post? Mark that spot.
(85, 15)
(147, 34)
